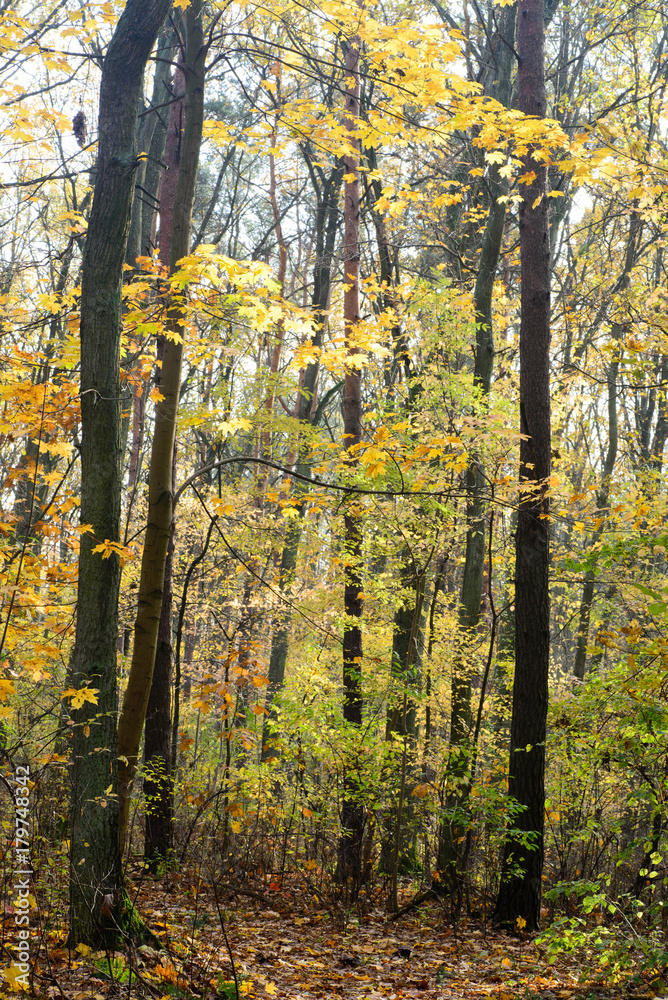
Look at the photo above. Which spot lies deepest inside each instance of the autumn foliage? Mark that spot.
(319, 388)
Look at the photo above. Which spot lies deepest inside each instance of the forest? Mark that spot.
(333, 538)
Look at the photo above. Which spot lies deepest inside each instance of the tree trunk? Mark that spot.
(398, 846)
(602, 503)
(151, 140)
(398, 849)
(520, 886)
(159, 519)
(158, 783)
(352, 814)
(96, 882)
(327, 220)
(452, 831)
(603, 493)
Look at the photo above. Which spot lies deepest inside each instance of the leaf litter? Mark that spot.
(284, 945)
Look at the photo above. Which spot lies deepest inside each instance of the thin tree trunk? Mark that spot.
(602, 497)
(399, 841)
(603, 493)
(96, 882)
(352, 814)
(452, 831)
(274, 353)
(131, 722)
(326, 230)
(158, 783)
(661, 430)
(520, 886)
(152, 140)
(398, 847)
(144, 208)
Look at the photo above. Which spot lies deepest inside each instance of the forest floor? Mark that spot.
(285, 944)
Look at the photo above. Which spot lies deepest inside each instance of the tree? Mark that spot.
(452, 835)
(158, 785)
(327, 191)
(96, 881)
(159, 523)
(352, 818)
(520, 886)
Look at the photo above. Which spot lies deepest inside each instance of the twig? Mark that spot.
(227, 943)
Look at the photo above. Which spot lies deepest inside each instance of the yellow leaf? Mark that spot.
(6, 688)
(108, 548)
(62, 448)
(17, 979)
(77, 698)
(182, 4)
(495, 156)
(270, 988)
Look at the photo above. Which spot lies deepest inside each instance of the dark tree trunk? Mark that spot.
(522, 867)
(398, 848)
(96, 883)
(158, 783)
(352, 816)
(452, 833)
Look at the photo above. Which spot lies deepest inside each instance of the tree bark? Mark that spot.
(520, 886)
(151, 140)
(158, 782)
(452, 831)
(96, 882)
(133, 714)
(398, 848)
(352, 815)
